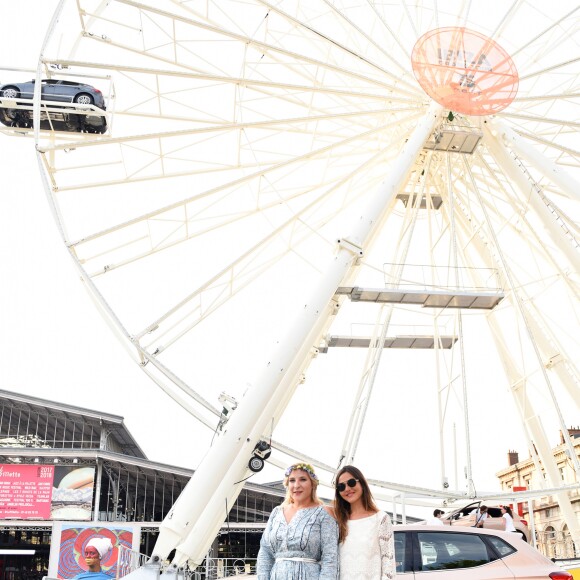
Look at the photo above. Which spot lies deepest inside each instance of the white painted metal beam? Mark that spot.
(200, 509)
(511, 169)
(554, 173)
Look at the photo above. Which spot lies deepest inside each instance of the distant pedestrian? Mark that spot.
(480, 515)
(435, 520)
(509, 518)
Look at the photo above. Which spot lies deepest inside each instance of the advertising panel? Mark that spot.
(69, 555)
(43, 492)
(72, 494)
(26, 491)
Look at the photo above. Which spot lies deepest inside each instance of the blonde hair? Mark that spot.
(309, 470)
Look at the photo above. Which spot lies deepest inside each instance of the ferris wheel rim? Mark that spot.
(365, 115)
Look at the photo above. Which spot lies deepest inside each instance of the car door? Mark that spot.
(404, 554)
(49, 90)
(456, 556)
(464, 516)
(494, 521)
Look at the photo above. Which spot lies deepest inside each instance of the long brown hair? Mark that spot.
(342, 507)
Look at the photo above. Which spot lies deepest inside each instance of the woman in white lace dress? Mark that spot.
(366, 544)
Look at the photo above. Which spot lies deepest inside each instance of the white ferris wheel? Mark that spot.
(293, 190)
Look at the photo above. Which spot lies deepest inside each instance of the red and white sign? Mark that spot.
(465, 71)
(26, 491)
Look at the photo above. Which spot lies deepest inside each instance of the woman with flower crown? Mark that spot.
(366, 548)
(300, 541)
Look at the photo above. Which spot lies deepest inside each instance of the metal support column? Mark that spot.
(511, 169)
(530, 419)
(200, 510)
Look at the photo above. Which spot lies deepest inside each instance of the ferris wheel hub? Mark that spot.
(465, 71)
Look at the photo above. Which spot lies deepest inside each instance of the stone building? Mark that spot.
(553, 537)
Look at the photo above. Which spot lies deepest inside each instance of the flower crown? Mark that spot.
(304, 467)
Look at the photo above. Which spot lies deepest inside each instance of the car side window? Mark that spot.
(501, 546)
(447, 551)
(401, 549)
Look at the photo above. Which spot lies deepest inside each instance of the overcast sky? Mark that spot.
(56, 346)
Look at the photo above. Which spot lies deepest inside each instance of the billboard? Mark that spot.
(44, 492)
(67, 557)
(26, 491)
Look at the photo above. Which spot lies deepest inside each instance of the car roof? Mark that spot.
(509, 536)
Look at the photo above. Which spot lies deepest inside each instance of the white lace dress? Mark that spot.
(368, 552)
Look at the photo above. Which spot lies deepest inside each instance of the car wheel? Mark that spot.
(84, 99)
(10, 92)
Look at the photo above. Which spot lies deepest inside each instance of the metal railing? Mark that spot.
(129, 560)
(214, 568)
(211, 569)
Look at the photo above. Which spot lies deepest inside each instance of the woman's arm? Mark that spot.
(266, 557)
(387, 549)
(328, 547)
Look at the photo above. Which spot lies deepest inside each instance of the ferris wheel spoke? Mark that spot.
(539, 119)
(243, 139)
(106, 256)
(292, 56)
(545, 31)
(240, 265)
(549, 143)
(340, 45)
(551, 68)
(279, 123)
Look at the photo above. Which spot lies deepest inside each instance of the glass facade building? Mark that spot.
(123, 487)
(66, 469)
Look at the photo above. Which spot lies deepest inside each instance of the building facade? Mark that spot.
(66, 470)
(552, 535)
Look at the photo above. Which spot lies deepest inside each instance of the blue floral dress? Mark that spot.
(304, 549)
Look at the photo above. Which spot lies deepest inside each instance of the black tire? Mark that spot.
(256, 464)
(10, 92)
(84, 99)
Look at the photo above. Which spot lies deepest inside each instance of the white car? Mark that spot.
(425, 552)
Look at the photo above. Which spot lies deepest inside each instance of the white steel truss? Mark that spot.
(244, 142)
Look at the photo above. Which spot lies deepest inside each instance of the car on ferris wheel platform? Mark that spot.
(66, 106)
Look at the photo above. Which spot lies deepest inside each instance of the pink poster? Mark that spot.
(25, 491)
(74, 539)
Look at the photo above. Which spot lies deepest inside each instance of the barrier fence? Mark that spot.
(211, 569)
